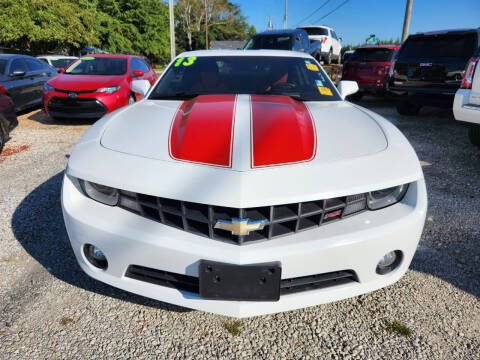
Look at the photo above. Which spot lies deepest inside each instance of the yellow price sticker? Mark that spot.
(325, 91)
(312, 67)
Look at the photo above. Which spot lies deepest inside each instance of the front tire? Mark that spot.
(407, 108)
(131, 99)
(474, 135)
(329, 57)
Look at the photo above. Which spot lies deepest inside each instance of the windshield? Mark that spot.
(440, 46)
(372, 55)
(61, 63)
(315, 31)
(90, 65)
(300, 78)
(279, 42)
(3, 65)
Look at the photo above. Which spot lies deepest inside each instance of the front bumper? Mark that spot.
(356, 243)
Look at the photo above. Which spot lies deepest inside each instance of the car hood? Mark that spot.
(244, 152)
(245, 133)
(83, 82)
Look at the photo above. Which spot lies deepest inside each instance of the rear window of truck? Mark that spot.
(372, 55)
(440, 46)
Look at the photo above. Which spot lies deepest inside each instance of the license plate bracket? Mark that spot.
(254, 282)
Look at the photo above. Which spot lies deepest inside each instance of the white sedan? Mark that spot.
(244, 184)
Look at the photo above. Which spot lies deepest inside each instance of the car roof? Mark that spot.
(57, 57)
(391, 47)
(120, 56)
(11, 56)
(446, 31)
(280, 53)
(280, 32)
(315, 26)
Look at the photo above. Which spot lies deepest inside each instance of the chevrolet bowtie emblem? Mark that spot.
(240, 226)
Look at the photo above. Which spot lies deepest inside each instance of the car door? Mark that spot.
(38, 74)
(17, 85)
(337, 47)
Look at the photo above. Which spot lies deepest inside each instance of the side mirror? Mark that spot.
(137, 73)
(347, 87)
(17, 73)
(140, 86)
(301, 49)
(61, 70)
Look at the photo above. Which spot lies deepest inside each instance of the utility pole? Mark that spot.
(206, 24)
(172, 30)
(285, 18)
(406, 20)
(270, 25)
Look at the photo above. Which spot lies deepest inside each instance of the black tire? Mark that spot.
(329, 57)
(355, 97)
(131, 99)
(407, 108)
(3, 138)
(474, 135)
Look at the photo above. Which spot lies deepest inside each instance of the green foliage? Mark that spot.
(116, 26)
(234, 327)
(396, 327)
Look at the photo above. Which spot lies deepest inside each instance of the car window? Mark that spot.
(372, 55)
(439, 46)
(3, 66)
(334, 35)
(60, 63)
(297, 77)
(278, 42)
(137, 64)
(44, 60)
(316, 31)
(90, 65)
(18, 65)
(35, 65)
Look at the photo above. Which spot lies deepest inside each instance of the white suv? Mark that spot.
(466, 106)
(331, 46)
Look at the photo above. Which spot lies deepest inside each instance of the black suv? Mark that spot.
(429, 68)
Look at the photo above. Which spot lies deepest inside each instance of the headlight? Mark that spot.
(101, 193)
(386, 197)
(109, 89)
(47, 87)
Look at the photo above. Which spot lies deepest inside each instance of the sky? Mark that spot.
(357, 19)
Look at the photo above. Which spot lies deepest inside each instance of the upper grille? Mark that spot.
(282, 220)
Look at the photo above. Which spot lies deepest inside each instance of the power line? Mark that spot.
(338, 7)
(301, 21)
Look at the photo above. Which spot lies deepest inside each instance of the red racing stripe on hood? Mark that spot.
(282, 131)
(202, 130)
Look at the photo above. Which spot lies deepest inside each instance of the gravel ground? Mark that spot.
(51, 310)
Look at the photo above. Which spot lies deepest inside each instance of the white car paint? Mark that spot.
(358, 151)
(466, 106)
(48, 58)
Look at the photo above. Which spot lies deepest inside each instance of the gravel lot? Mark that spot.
(51, 310)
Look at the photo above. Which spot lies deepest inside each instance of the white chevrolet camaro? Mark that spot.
(244, 184)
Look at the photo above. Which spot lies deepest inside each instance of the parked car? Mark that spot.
(466, 105)
(330, 43)
(244, 184)
(8, 117)
(288, 39)
(23, 77)
(369, 66)
(58, 61)
(95, 85)
(346, 55)
(429, 68)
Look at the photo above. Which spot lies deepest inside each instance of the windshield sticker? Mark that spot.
(325, 91)
(312, 67)
(190, 61)
(318, 82)
(88, 58)
(178, 62)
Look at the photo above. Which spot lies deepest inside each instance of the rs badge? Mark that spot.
(240, 226)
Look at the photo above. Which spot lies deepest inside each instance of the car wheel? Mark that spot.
(3, 138)
(407, 108)
(355, 97)
(131, 99)
(329, 57)
(474, 135)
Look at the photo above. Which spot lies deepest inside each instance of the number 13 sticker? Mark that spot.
(189, 61)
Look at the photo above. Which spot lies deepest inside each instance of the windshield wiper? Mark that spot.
(177, 96)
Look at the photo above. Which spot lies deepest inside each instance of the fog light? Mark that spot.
(95, 256)
(389, 262)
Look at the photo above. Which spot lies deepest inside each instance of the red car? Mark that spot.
(95, 85)
(369, 66)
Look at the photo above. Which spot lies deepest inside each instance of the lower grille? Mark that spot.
(280, 220)
(79, 106)
(287, 286)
